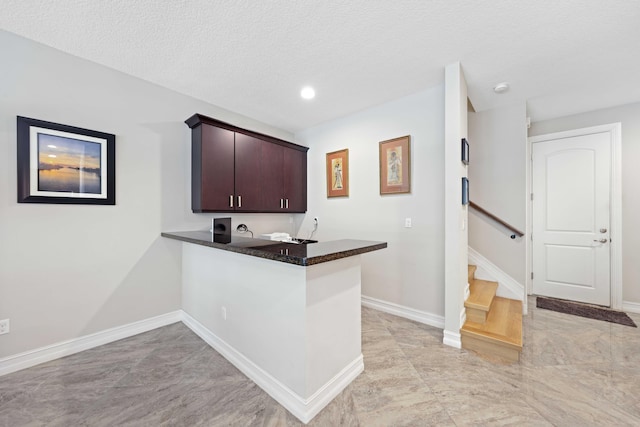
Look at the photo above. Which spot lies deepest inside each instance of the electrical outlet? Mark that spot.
(224, 313)
(4, 326)
(407, 222)
(315, 220)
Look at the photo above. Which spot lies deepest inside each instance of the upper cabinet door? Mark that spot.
(247, 173)
(295, 180)
(272, 178)
(238, 170)
(217, 166)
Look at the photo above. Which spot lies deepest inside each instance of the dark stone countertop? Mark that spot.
(299, 254)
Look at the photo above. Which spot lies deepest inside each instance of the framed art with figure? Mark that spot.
(395, 166)
(465, 151)
(338, 173)
(465, 190)
(65, 164)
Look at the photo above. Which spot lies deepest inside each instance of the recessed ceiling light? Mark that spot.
(307, 92)
(501, 87)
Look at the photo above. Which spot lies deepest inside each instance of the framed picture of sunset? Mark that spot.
(64, 164)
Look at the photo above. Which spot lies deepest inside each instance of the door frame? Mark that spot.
(615, 203)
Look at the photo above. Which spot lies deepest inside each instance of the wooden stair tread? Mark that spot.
(503, 325)
(482, 293)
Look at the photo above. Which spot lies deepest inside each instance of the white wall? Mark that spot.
(71, 270)
(410, 271)
(497, 176)
(299, 324)
(629, 116)
(456, 214)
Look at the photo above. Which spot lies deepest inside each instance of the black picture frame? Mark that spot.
(465, 191)
(65, 164)
(465, 151)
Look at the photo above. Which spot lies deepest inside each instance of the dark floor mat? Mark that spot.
(584, 310)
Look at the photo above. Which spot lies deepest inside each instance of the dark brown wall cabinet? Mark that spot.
(237, 170)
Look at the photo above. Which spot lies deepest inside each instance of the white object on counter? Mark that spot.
(279, 237)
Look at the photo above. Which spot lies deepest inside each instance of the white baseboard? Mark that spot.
(55, 351)
(303, 409)
(631, 307)
(508, 287)
(402, 311)
(452, 339)
(331, 389)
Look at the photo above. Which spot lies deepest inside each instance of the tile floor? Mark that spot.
(573, 372)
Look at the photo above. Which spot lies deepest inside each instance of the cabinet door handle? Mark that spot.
(286, 205)
(231, 201)
(281, 203)
(239, 201)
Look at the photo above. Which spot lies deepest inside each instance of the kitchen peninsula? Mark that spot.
(287, 315)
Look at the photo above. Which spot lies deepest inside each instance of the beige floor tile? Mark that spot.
(573, 372)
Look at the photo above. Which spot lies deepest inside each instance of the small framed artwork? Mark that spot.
(65, 164)
(338, 173)
(465, 151)
(395, 166)
(465, 191)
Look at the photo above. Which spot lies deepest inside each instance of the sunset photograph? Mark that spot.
(68, 165)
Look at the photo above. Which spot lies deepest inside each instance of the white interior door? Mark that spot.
(571, 224)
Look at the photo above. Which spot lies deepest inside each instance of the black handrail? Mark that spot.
(514, 230)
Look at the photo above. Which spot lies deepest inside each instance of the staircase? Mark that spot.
(494, 324)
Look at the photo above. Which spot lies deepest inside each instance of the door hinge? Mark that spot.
(532, 237)
(531, 196)
(532, 275)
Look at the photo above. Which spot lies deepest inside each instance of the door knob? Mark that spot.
(603, 230)
(603, 240)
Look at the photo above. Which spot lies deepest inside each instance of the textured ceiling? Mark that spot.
(253, 57)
